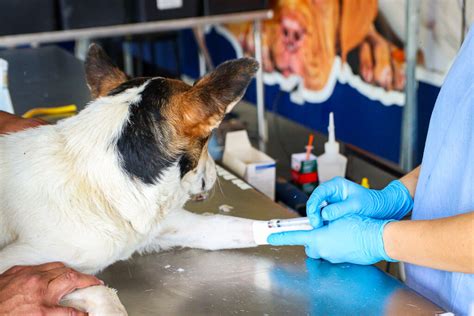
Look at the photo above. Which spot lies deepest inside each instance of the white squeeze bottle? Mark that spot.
(331, 164)
(5, 100)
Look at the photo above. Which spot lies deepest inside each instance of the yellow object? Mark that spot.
(50, 111)
(365, 183)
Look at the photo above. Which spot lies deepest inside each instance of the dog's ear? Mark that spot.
(216, 94)
(101, 73)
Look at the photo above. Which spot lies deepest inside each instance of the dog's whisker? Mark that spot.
(220, 186)
(213, 192)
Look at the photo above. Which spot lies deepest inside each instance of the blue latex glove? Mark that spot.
(354, 239)
(346, 197)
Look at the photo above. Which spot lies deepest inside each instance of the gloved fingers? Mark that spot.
(330, 192)
(315, 218)
(312, 252)
(338, 210)
(291, 238)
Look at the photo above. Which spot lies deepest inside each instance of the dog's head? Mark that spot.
(169, 122)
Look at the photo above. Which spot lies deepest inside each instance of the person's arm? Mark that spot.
(445, 244)
(410, 180)
(10, 123)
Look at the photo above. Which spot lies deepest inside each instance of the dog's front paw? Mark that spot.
(95, 300)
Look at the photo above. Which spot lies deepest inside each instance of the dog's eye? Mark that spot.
(203, 183)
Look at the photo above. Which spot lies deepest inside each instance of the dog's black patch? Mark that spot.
(185, 165)
(143, 144)
(133, 83)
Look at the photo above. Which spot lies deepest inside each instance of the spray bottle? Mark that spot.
(5, 100)
(331, 164)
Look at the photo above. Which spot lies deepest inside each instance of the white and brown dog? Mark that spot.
(95, 188)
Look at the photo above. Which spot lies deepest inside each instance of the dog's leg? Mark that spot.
(6, 235)
(19, 253)
(212, 232)
(95, 300)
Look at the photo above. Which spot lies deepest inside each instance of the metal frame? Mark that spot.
(130, 29)
(196, 23)
(200, 37)
(409, 137)
(261, 121)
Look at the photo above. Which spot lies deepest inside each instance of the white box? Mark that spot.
(298, 159)
(254, 166)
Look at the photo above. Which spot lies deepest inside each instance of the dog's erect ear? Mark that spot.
(101, 73)
(226, 85)
(216, 94)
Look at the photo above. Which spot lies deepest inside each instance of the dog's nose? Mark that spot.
(200, 196)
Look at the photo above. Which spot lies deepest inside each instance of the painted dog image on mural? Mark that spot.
(305, 37)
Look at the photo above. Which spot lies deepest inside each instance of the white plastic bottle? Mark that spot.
(5, 100)
(331, 164)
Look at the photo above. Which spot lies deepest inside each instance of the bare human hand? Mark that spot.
(10, 123)
(37, 290)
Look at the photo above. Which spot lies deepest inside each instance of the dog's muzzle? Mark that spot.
(200, 196)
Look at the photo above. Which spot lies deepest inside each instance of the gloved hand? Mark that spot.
(354, 239)
(346, 197)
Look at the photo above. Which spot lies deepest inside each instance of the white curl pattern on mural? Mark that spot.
(339, 72)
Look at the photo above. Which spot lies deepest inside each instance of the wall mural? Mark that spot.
(311, 44)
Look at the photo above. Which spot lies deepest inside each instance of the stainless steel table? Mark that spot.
(260, 281)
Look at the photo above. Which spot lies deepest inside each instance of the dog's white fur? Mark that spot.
(64, 197)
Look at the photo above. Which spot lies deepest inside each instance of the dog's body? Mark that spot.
(95, 188)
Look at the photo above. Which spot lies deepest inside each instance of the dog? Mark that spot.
(112, 180)
(304, 37)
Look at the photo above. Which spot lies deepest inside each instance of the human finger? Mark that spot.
(312, 252)
(30, 123)
(39, 121)
(67, 282)
(337, 210)
(326, 192)
(52, 274)
(48, 266)
(295, 238)
(63, 311)
(37, 268)
(14, 270)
